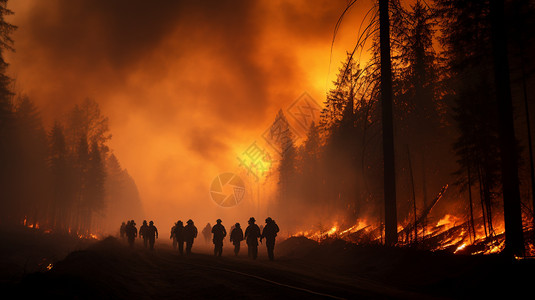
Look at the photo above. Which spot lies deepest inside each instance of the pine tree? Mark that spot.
(310, 174)
(31, 173)
(465, 27)
(63, 184)
(7, 135)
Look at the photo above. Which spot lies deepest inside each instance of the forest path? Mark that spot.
(109, 269)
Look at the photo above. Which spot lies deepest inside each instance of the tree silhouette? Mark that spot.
(514, 237)
(391, 236)
(6, 117)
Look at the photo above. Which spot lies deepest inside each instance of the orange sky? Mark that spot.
(187, 85)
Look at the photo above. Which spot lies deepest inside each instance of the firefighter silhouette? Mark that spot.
(179, 235)
(151, 232)
(190, 233)
(173, 237)
(207, 232)
(131, 232)
(122, 230)
(236, 236)
(219, 233)
(252, 233)
(143, 232)
(269, 233)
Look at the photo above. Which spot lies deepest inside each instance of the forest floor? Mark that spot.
(34, 264)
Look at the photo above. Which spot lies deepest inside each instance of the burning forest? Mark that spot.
(388, 129)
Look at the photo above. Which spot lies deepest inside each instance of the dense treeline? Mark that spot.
(61, 178)
(445, 120)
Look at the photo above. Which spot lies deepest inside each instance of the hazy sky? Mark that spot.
(187, 85)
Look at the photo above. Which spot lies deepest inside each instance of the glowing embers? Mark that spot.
(30, 225)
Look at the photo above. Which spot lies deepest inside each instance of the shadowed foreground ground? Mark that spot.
(110, 270)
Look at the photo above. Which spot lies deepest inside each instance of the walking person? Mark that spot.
(252, 233)
(131, 232)
(269, 233)
(122, 230)
(190, 233)
(206, 232)
(219, 233)
(179, 235)
(152, 234)
(236, 236)
(173, 237)
(143, 232)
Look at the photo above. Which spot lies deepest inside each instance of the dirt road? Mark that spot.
(303, 269)
(111, 270)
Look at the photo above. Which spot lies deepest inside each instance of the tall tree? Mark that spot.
(514, 240)
(465, 27)
(63, 184)
(391, 235)
(6, 117)
(418, 115)
(287, 164)
(6, 43)
(31, 173)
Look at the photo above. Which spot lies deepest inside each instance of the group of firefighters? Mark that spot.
(181, 234)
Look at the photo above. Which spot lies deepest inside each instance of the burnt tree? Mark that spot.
(391, 235)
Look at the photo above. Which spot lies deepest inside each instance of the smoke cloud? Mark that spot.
(187, 85)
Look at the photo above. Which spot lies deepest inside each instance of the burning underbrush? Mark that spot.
(68, 231)
(449, 234)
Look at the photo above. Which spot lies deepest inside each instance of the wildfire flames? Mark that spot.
(48, 231)
(450, 233)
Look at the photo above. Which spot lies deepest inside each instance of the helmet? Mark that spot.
(269, 219)
(218, 221)
(237, 225)
(190, 221)
(252, 220)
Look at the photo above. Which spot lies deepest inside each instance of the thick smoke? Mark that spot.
(187, 85)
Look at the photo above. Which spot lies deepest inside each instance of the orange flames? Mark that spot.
(70, 231)
(450, 233)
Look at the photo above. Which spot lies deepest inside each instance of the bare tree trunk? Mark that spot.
(482, 199)
(530, 146)
(391, 223)
(413, 197)
(471, 203)
(514, 239)
(424, 191)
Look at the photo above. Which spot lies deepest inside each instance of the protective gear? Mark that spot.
(190, 233)
(236, 236)
(179, 235)
(252, 233)
(269, 233)
(219, 232)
